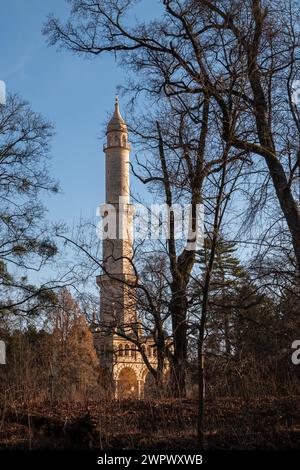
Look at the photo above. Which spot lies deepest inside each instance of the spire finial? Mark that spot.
(117, 122)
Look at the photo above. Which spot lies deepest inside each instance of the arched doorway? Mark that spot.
(127, 383)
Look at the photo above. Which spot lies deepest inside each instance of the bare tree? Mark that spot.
(26, 242)
(242, 55)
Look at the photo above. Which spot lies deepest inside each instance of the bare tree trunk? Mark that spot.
(178, 373)
(218, 215)
(283, 190)
(201, 390)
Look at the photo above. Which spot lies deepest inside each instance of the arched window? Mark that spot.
(105, 215)
(127, 350)
(124, 140)
(121, 352)
(154, 352)
(149, 351)
(133, 352)
(117, 140)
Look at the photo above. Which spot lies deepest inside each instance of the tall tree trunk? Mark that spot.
(205, 306)
(282, 187)
(287, 202)
(201, 390)
(178, 372)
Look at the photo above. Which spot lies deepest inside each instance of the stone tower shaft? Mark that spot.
(117, 305)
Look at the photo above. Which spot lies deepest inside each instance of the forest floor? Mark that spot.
(231, 423)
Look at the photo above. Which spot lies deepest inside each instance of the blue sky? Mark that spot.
(75, 94)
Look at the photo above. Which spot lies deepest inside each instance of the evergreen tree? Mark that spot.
(228, 275)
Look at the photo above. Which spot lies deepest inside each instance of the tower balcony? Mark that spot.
(116, 146)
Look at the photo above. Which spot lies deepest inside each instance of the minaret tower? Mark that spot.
(118, 338)
(117, 304)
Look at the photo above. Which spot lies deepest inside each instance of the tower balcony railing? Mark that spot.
(116, 146)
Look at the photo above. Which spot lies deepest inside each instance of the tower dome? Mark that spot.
(117, 123)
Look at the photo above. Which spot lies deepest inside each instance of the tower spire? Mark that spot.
(117, 123)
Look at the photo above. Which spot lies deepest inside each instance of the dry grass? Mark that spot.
(231, 423)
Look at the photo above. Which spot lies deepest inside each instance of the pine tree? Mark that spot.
(228, 275)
